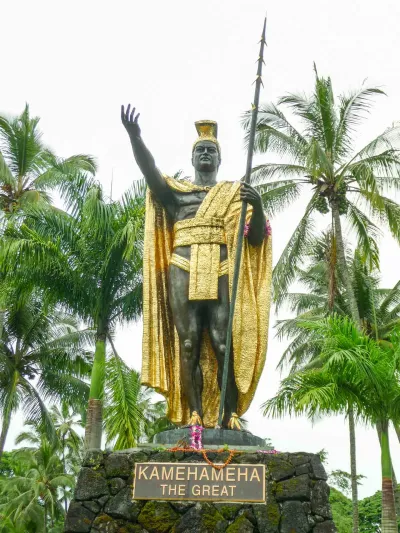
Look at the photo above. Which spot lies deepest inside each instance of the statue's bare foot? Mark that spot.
(234, 422)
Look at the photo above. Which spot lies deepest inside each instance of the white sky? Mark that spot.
(181, 61)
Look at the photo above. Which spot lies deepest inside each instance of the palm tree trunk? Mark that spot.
(94, 420)
(389, 522)
(45, 518)
(341, 259)
(4, 430)
(353, 470)
(7, 414)
(394, 479)
(64, 472)
(397, 429)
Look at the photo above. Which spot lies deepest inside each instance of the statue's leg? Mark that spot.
(188, 321)
(218, 317)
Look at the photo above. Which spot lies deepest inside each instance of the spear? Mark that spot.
(242, 222)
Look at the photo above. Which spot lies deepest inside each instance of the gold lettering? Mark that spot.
(172, 488)
(224, 491)
(204, 473)
(179, 473)
(181, 490)
(167, 474)
(255, 475)
(229, 473)
(192, 473)
(206, 488)
(196, 490)
(215, 490)
(217, 475)
(142, 471)
(240, 474)
(232, 487)
(154, 473)
(163, 488)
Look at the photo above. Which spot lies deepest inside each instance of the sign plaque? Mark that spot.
(199, 481)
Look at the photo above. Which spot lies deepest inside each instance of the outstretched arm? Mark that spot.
(144, 159)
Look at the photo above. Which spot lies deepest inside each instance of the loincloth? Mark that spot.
(205, 237)
(184, 264)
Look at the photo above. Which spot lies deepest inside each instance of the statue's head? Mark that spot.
(206, 154)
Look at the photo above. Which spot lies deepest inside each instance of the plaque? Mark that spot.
(199, 481)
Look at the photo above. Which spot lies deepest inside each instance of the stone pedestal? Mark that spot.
(296, 497)
(211, 437)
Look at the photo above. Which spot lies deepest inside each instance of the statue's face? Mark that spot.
(206, 157)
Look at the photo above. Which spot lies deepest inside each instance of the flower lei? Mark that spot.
(267, 229)
(196, 445)
(196, 437)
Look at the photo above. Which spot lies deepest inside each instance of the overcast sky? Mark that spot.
(180, 61)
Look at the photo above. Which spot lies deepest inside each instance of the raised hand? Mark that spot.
(130, 121)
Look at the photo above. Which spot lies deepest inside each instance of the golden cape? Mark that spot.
(161, 361)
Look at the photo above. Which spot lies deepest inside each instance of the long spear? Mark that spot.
(242, 222)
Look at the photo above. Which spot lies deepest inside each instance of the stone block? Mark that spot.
(91, 484)
(116, 484)
(278, 468)
(317, 468)
(325, 527)
(122, 506)
(320, 499)
(299, 458)
(92, 506)
(117, 465)
(247, 458)
(293, 519)
(93, 458)
(202, 518)
(241, 525)
(228, 510)
(105, 524)
(162, 457)
(302, 469)
(158, 517)
(79, 519)
(182, 506)
(295, 488)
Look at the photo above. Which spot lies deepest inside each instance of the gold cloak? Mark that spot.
(161, 361)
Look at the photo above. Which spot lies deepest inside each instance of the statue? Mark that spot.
(190, 239)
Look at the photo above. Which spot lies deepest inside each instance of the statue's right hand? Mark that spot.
(130, 121)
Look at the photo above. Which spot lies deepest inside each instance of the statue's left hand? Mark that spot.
(250, 195)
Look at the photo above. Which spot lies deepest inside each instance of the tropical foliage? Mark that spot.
(29, 169)
(354, 370)
(89, 260)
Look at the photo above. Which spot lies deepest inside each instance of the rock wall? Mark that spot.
(297, 498)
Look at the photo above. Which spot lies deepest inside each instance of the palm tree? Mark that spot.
(43, 356)
(90, 260)
(354, 370)
(378, 308)
(379, 313)
(28, 169)
(66, 424)
(343, 181)
(33, 495)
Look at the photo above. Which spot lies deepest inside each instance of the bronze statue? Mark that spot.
(189, 246)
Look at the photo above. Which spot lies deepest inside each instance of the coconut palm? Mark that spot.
(67, 424)
(343, 181)
(354, 370)
(28, 169)
(32, 497)
(378, 308)
(43, 356)
(90, 260)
